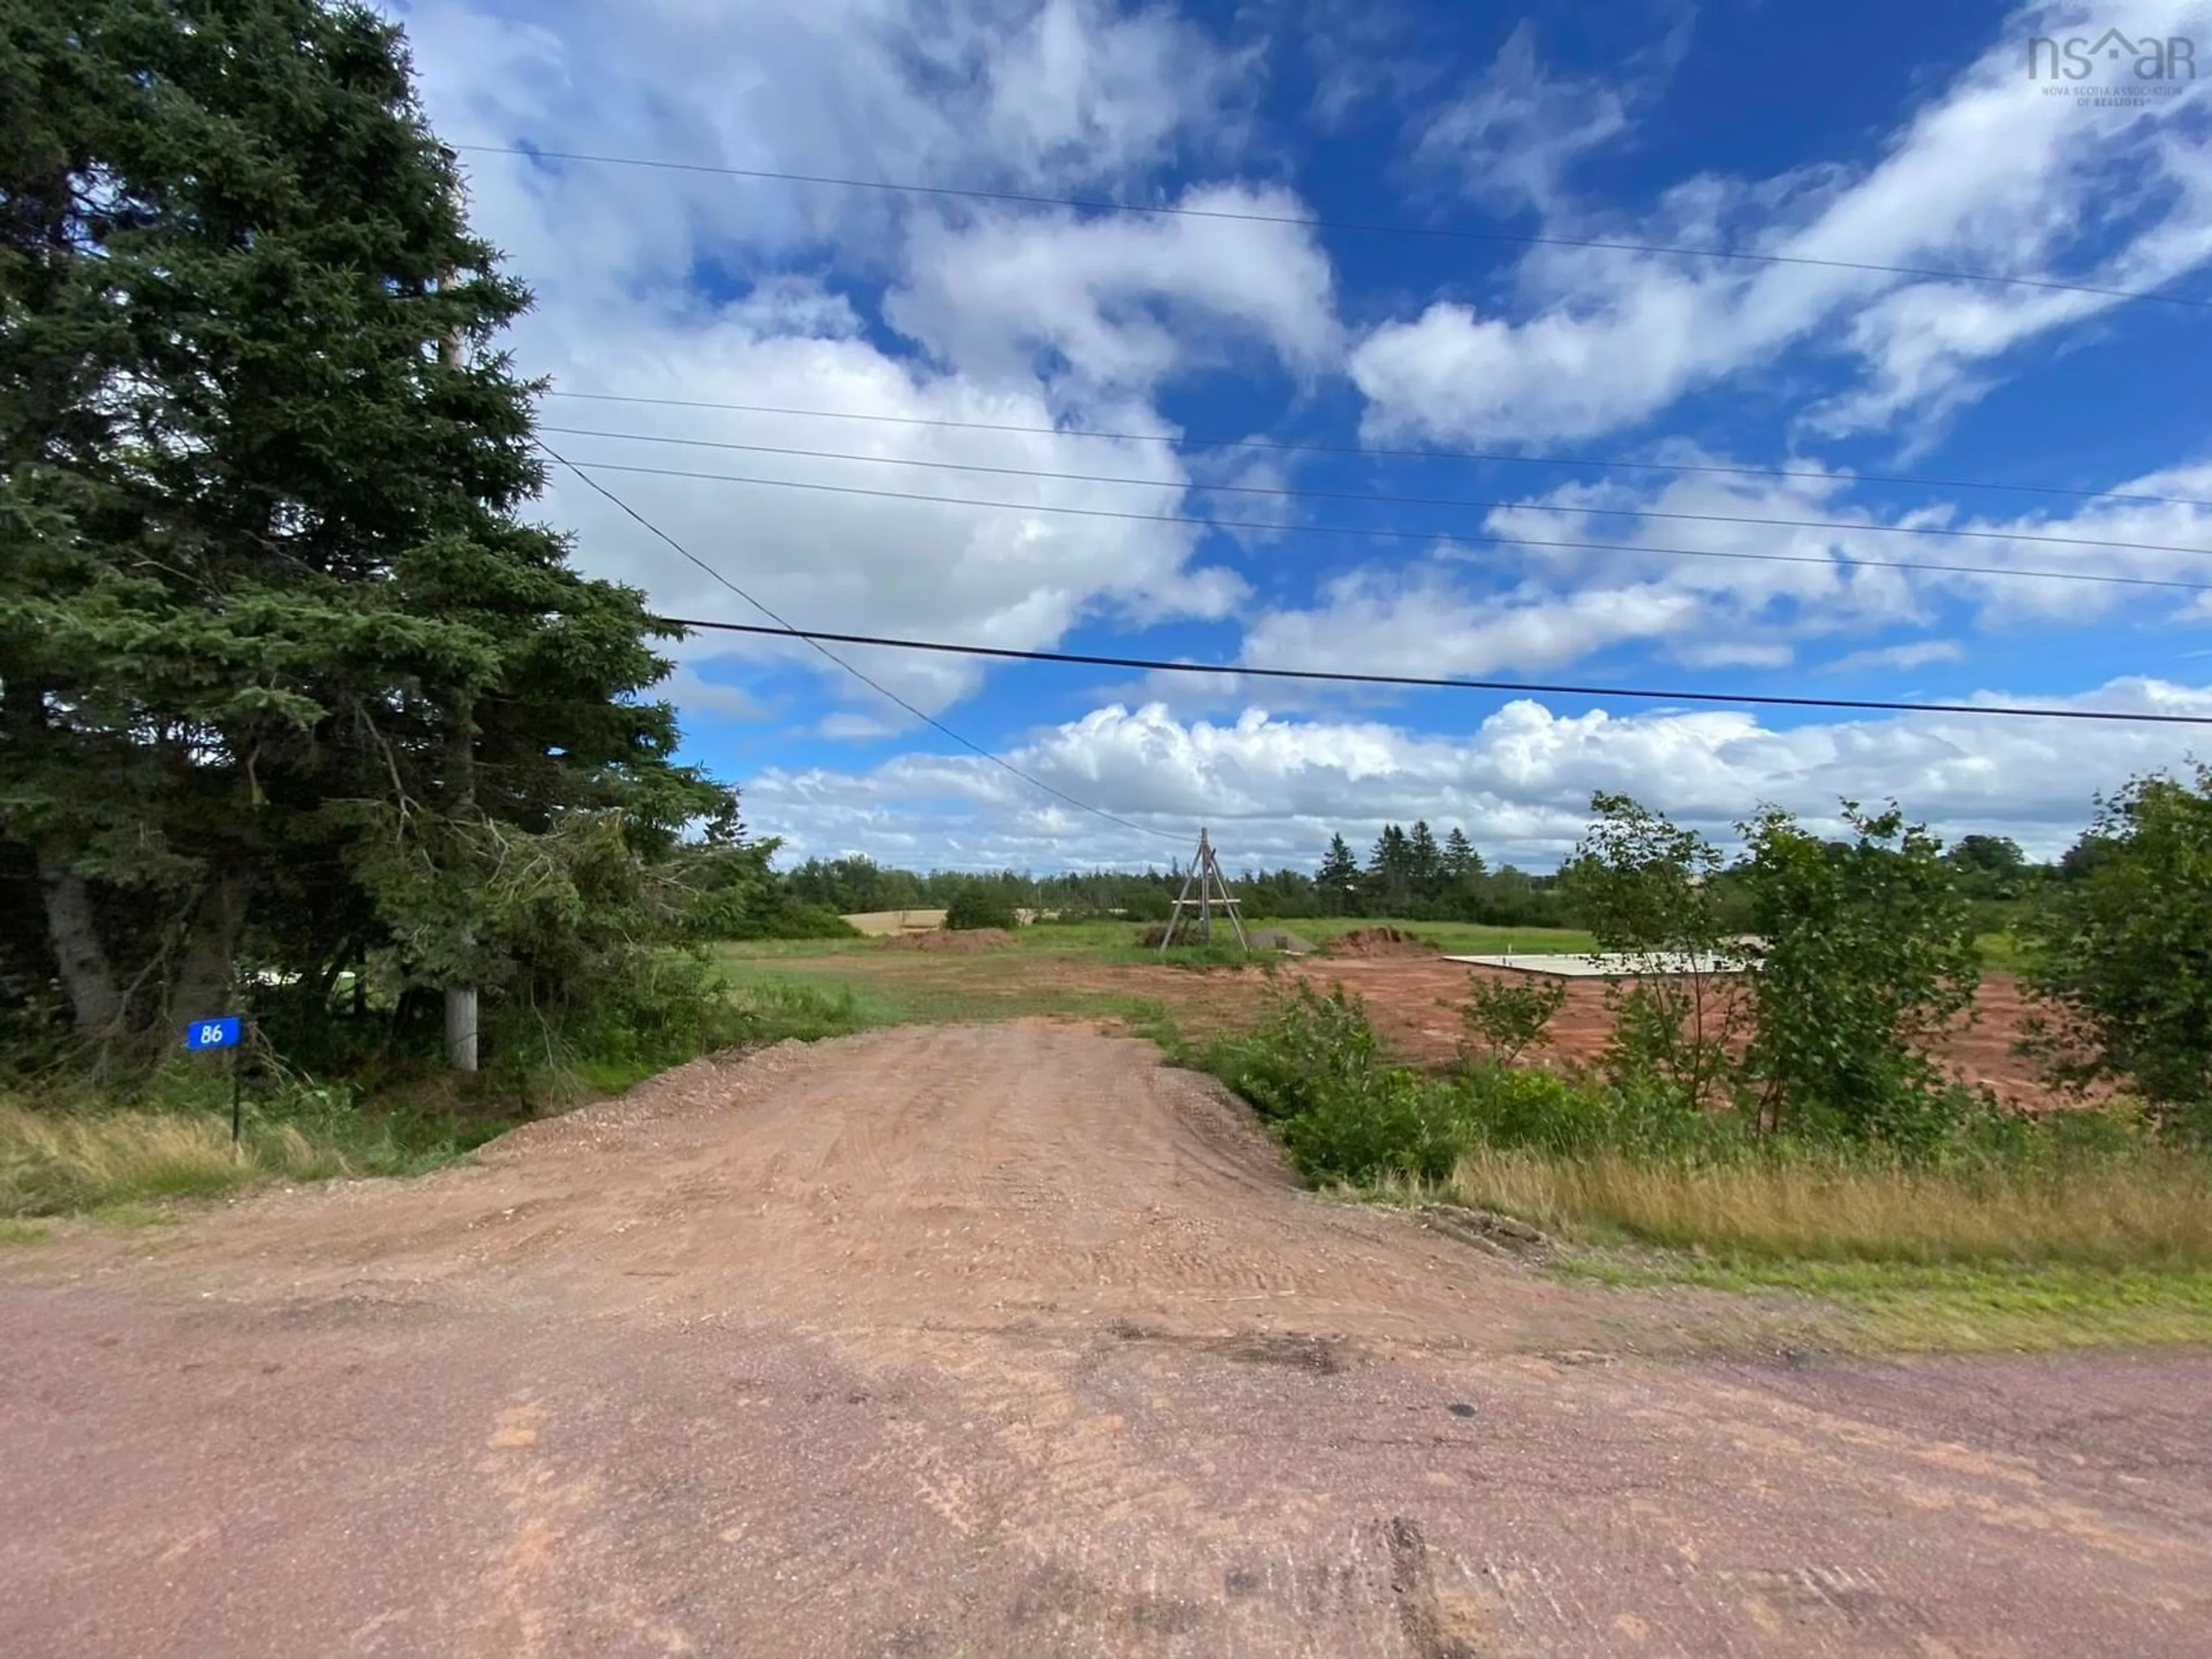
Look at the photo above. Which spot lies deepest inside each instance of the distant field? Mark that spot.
(1087, 969)
(1079, 937)
(876, 923)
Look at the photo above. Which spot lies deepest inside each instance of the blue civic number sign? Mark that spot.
(220, 1033)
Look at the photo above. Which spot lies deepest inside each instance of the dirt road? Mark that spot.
(1004, 1341)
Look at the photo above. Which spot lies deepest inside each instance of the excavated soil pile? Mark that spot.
(964, 942)
(1377, 942)
(1260, 938)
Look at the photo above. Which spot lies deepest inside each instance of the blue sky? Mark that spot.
(1879, 133)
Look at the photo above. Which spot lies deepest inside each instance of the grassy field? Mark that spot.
(2148, 1209)
(101, 1159)
(2110, 1250)
(1085, 969)
(1892, 1308)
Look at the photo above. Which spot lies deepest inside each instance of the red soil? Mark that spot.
(962, 942)
(1415, 1003)
(1377, 942)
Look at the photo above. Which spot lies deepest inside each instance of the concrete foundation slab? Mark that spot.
(1606, 967)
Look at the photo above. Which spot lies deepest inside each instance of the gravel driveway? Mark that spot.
(1005, 1340)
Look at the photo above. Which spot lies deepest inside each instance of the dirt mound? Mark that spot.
(1377, 942)
(963, 942)
(1260, 938)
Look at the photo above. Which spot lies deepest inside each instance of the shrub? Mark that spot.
(790, 919)
(1576, 1115)
(1314, 1068)
(2121, 957)
(1504, 1017)
(1647, 889)
(1147, 903)
(1868, 956)
(1383, 1120)
(978, 906)
(1309, 1047)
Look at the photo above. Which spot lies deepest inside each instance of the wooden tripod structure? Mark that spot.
(1213, 894)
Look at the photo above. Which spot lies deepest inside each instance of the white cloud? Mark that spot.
(1734, 654)
(1992, 174)
(1511, 139)
(1914, 653)
(688, 689)
(1420, 623)
(1744, 591)
(687, 286)
(1119, 303)
(1273, 790)
(849, 727)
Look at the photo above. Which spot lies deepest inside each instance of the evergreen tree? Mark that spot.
(1388, 884)
(1337, 881)
(285, 675)
(1461, 860)
(1424, 863)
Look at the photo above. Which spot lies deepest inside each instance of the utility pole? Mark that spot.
(1213, 890)
(461, 764)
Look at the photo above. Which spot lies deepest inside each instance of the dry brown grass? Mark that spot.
(2147, 1211)
(51, 1163)
(881, 924)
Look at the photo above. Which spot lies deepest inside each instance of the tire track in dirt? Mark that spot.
(951, 1175)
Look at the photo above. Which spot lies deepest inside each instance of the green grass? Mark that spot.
(59, 1159)
(1114, 941)
(2148, 1208)
(1900, 1308)
(919, 990)
(1111, 940)
(2112, 1250)
(53, 1162)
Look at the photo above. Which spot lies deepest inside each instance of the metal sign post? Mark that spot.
(223, 1031)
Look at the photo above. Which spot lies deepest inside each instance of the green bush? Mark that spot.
(977, 906)
(2121, 955)
(1384, 1121)
(1309, 1047)
(791, 919)
(1147, 904)
(1868, 959)
(1505, 1018)
(1314, 1068)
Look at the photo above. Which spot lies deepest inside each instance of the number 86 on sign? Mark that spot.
(214, 1033)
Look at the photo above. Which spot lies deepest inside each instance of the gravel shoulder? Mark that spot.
(1006, 1340)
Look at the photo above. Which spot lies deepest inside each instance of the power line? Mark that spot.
(786, 630)
(1093, 660)
(1366, 497)
(1379, 532)
(1438, 232)
(1488, 458)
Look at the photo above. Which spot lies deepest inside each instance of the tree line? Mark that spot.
(1407, 874)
